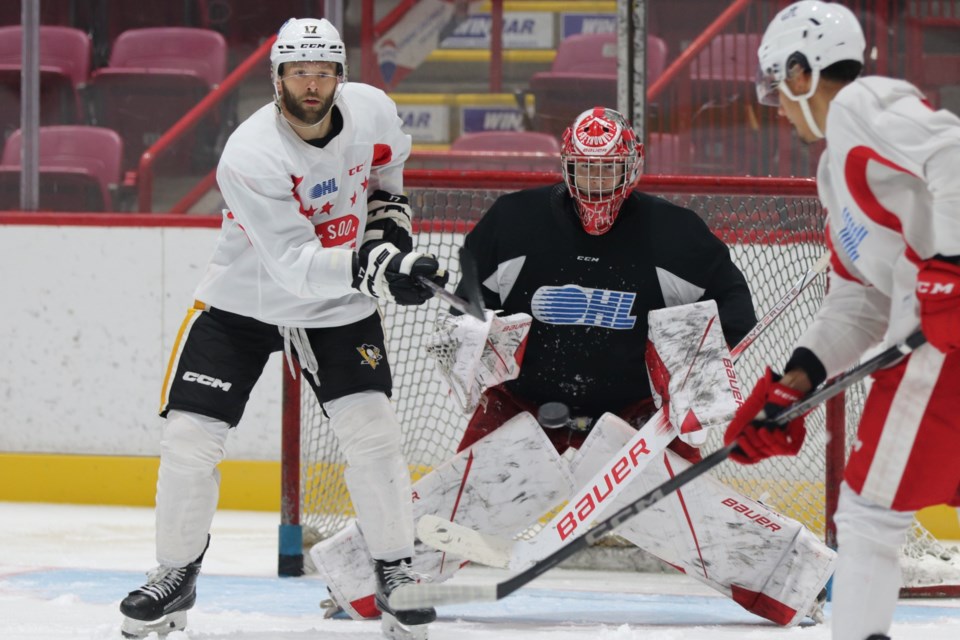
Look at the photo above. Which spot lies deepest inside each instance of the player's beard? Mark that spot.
(308, 116)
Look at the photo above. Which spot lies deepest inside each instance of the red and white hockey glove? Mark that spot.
(938, 289)
(757, 437)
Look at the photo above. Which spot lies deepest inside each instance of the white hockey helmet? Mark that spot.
(307, 39)
(813, 33)
(600, 143)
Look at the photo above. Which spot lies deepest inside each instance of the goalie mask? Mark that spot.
(602, 161)
(813, 35)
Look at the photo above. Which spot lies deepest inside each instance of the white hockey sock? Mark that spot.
(866, 584)
(380, 492)
(377, 475)
(188, 485)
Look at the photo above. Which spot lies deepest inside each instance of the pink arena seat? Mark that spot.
(64, 70)
(79, 169)
(584, 75)
(512, 141)
(153, 78)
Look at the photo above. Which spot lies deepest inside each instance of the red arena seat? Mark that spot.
(64, 70)
(154, 77)
(79, 169)
(584, 75)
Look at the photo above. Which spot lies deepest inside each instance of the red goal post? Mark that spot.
(774, 228)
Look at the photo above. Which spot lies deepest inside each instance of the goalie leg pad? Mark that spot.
(500, 485)
(769, 564)
(867, 582)
(608, 434)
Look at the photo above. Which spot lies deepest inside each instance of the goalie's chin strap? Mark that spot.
(297, 337)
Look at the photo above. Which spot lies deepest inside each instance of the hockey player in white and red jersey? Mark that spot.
(888, 179)
(579, 265)
(317, 233)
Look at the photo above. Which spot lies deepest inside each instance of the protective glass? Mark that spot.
(301, 75)
(768, 89)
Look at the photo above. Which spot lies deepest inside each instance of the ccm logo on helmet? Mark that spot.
(209, 381)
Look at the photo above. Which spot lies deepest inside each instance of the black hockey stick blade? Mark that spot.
(452, 299)
(470, 284)
(421, 595)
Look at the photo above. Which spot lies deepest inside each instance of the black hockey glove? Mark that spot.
(388, 220)
(384, 272)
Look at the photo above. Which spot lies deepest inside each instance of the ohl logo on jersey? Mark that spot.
(571, 304)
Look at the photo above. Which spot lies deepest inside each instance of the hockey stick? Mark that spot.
(506, 553)
(421, 595)
(792, 294)
(473, 304)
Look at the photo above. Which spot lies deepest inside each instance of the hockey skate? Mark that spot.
(160, 606)
(399, 625)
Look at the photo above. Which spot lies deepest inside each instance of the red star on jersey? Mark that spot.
(306, 212)
(353, 198)
(327, 207)
(365, 182)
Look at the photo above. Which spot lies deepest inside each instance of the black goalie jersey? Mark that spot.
(589, 295)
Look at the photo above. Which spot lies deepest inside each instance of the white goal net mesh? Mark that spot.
(774, 238)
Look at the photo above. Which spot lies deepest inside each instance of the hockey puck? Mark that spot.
(553, 415)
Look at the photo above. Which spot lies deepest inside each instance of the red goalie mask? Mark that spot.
(602, 161)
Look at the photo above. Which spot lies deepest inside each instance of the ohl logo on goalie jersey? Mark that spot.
(571, 304)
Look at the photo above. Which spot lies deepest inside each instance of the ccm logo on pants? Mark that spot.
(210, 381)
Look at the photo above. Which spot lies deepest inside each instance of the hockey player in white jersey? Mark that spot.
(316, 234)
(888, 179)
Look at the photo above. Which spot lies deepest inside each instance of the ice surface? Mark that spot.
(64, 569)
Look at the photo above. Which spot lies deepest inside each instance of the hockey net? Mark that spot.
(774, 230)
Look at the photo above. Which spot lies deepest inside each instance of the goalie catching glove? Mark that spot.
(757, 437)
(382, 271)
(474, 355)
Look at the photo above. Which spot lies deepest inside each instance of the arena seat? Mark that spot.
(726, 122)
(64, 71)
(584, 75)
(514, 141)
(153, 78)
(79, 169)
(493, 151)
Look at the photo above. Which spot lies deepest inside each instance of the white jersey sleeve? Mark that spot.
(887, 181)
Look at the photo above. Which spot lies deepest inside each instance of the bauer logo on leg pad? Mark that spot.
(600, 491)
